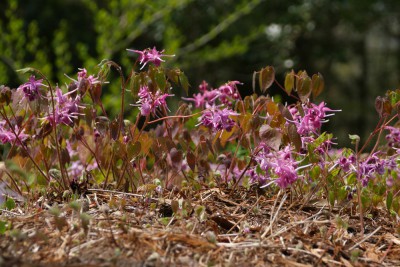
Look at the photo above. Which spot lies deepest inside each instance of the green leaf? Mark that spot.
(10, 204)
(3, 227)
(85, 220)
(183, 81)
(173, 75)
(331, 198)
(41, 180)
(76, 206)
(389, 200)
(14, 168)
(318, 84)
(55, 174)
(266, 78)
(289, 82)
(315, 172)
(134, 85)
(26, 70)
(160, 80)
(354, 138)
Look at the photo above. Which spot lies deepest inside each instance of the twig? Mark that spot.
(247, 213)
(120, 193)
(275, 216)
(365, 238)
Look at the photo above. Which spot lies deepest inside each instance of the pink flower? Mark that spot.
(393, 137)
(66, 109)
(313, 118)
(278, 166)
(149, 102)
(150, 55)
(8, 136)
(31, 88)
(229, 92)
(226, 94)
(217, 119)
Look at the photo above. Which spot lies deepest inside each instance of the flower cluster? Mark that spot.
(226, 94)
(217, 119)
(149, 102)
(150, 55)
(8, 136)
(31, 89)
(369, 167)
(278, 166)
(66, 108)
(314, 115)
(393, 138)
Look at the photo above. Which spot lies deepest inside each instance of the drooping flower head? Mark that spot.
(66, 108)
(229, 92)
(314, 115)
(226, 94)
(150, 55)
(83, 75)
(393, 138)
(31, 89)
(217, 119)
(8, 136)
(277, 166)
(149, 102)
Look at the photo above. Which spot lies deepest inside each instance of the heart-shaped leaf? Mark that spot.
(266, 78)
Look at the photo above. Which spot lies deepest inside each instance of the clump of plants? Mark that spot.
(58, 139)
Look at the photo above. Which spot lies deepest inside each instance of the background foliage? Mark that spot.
(355, 44)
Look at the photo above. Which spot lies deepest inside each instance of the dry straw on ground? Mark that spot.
(213, 227)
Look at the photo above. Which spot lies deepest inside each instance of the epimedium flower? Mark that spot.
(66, 108)
(216, 119)
(393, 138)
(314, 115)
(84, 81)
(149, 102)
(229, 92)
(226, 94)
(31, 89)
(150, 55)
(8, 136)
(279, 167)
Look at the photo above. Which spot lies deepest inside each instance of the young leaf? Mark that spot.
(294, 136)
(184, 82)
(191, 160)
(266, 78)
(3, 227)
(271, 136)
(160, 80)
(134, 149)
(134, 85)
(289, 82)
(176, 158)
(318, 84)
(10, 204)
(304, 87)
(26, 70)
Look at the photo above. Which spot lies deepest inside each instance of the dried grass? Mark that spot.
(245, 228)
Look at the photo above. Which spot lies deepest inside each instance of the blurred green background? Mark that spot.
(355, 44)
